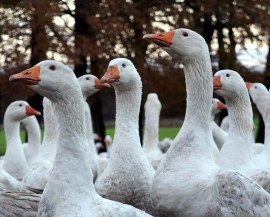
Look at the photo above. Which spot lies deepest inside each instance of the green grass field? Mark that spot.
(163, 132)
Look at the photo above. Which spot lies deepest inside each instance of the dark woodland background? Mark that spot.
(87, 34)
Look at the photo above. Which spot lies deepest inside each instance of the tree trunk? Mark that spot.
(83, 31)
(38, 49)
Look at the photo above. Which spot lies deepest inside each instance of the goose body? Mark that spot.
(152, 109)
(18, 204)
(14, 161)
(128, 176)
(31, 149)
(70, 191)
(187, 181)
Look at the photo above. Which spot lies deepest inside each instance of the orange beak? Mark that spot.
(30, 111)
(99, 85)
(111, 76)
(217, 83)
(248, 85)
(29, 76)
(163, 39)
(221, 106)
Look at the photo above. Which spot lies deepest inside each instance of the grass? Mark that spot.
(163, 132)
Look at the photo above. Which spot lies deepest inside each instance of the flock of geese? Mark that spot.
(207, 170)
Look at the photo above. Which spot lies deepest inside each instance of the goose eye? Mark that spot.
(255, 87)
(124, 65)
(87, 78)
(20, 105)
(227, 75)
(52, 67)
(185, 34)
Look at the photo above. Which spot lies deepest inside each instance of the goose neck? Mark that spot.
(48, 148)
(199, 87)
(194, 138)
(70, 165)
(33, 131)
(127, 112)
(14, 161)
(151, 126)
(241, 116)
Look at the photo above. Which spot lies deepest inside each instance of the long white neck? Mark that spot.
(192, 144)
(71, 170)
(237, 147)
(51, 130)
(14, 161)
(151, 127)
(89, 131)
(33, 132)
(126, 137)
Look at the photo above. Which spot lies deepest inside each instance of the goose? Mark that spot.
(128, 176)
(261, 98)
(32, 147)
(38, 173)
(219, 135)
(187, 181)
(152, 109)
(236, 151)
(90, 84)
(70, 190)
(14, 162)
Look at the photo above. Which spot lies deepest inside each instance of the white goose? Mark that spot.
(32, 147)
(14, 162)
(70, 190)
(128, 177)
(90, 84)
(219, 135)
(38, 173)
(261, 97)
(152, 109)
(187, 181)
(236, 151)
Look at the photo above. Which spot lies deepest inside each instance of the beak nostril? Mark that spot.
(27, 73)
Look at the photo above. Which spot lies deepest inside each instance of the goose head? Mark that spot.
(90, 84)
(20, 110)
(217, 106)
(257, 92)
(180, 43)
(152, 101)
(49, 78)
(121, 73)
(228, 83)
